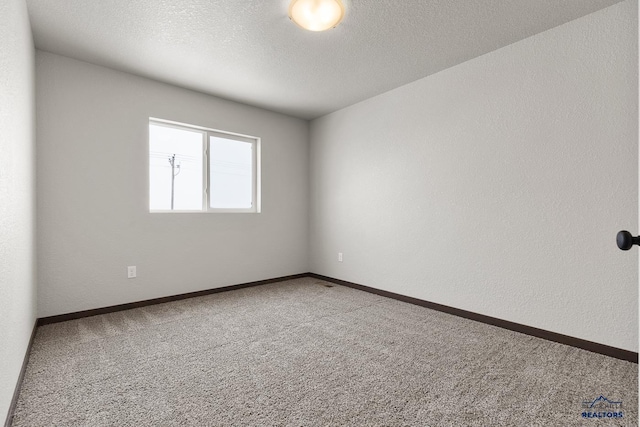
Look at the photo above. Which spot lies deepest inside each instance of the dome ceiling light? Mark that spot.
(316, 15)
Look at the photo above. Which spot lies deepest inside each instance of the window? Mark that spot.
(193, 169)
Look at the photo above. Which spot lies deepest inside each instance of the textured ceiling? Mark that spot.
(249, 51)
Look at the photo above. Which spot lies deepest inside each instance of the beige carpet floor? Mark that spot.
(300, 353)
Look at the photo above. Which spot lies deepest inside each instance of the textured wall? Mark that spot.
(93, 217)
(17, 195)
(496, 186)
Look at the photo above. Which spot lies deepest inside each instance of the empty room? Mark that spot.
(319, 213)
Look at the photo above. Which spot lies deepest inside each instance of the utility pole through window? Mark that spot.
(174, 167)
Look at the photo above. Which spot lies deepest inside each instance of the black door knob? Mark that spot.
(625, 240)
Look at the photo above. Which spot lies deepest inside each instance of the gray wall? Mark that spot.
(17, 195)
(93, 218)
(496, 186)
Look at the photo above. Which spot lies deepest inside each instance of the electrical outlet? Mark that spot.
(339, 256)
(131, 272)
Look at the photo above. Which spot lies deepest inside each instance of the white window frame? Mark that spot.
(206, 133)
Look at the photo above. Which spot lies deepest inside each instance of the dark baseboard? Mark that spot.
(130, 305)
(16, 391)
(618, 353)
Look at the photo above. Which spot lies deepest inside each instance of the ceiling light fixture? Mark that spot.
(316, 15)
